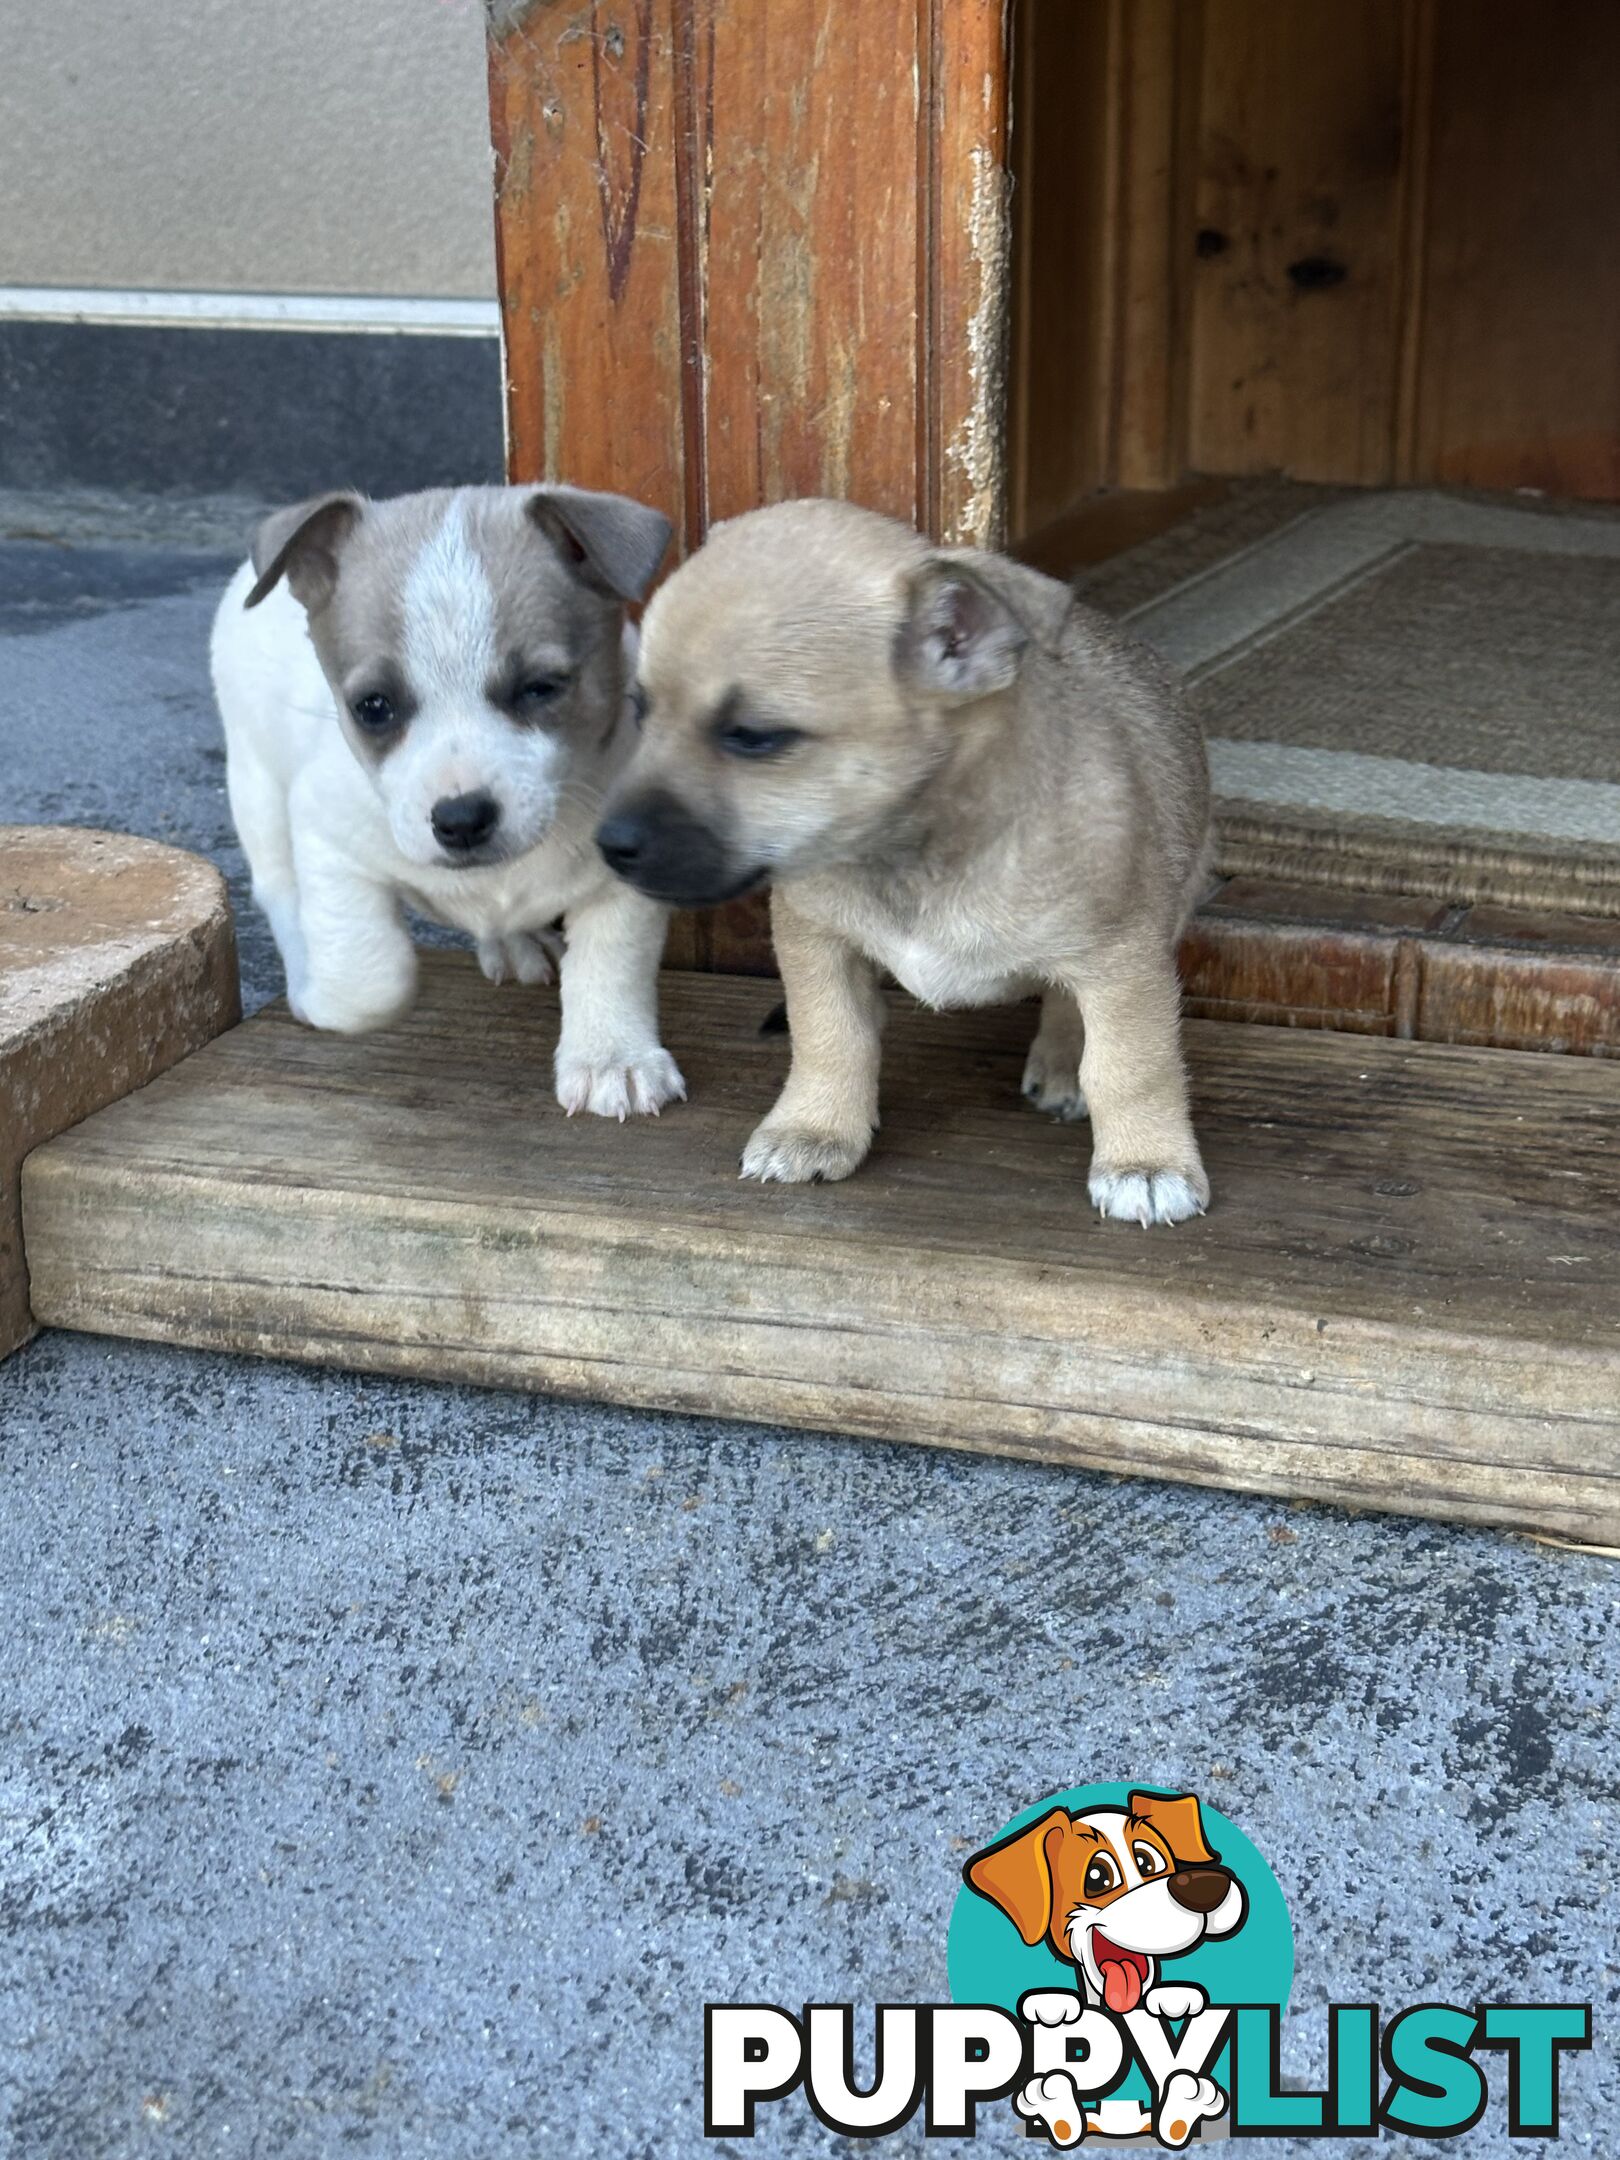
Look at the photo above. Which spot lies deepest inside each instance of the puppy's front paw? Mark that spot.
(520, 957)
(1185, 2102)
(1149, 1196)
(787, 1154)
(620, 1085)
(1054, 1086)
(1050, 2006)
(1054, 2102)
(1175, 2000)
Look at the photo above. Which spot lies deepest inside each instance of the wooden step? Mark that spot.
(117, 957)
(1406, 1296)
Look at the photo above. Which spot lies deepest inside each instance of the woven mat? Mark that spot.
(1409, 692)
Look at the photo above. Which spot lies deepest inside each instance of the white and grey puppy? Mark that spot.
(425, 701)
(946, 769)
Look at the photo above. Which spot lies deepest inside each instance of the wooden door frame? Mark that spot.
(628, 185)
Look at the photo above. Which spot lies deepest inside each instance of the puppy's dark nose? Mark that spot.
(464, 822)
(623, 842)
(658, 846)
(1199, 1889)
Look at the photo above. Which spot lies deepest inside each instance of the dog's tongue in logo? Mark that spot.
(1122, 1973)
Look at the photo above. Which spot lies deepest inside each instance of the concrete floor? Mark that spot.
(396, 1770)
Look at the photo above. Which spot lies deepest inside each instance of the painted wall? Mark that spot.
(335, 146)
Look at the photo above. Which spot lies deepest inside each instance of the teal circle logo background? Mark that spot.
(988, 1961)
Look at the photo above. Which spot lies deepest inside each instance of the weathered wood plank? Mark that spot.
(1407, 1296)
(584, 113)
(1523, 982)
(117, 957)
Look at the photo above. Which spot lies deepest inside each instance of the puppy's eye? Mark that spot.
(753, 742)
(537, 692)
(374, 712)
(1101, 1877)
(1148, 1859)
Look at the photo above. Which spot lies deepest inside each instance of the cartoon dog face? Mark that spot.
(1113, 1890)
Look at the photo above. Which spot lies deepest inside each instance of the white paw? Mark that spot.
(1050, 2006)
(1185, 2102)
(797, 1155)
(520, 957)
(339, 1014)
(1119, 2119)
(1054, 2102)
(1149, 1196)
(619, 1085)
(1054, 1088)
(1176, 2000)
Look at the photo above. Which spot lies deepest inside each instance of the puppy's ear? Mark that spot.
(971, 618)
(300, 544)
(1017, 1873)
(615, 543)
(1177, 1819)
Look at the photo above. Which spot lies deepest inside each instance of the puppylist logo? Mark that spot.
(1120, 1960)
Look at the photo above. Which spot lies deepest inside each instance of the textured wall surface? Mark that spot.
(294, 146)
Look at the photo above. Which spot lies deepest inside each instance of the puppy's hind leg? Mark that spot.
(259, 811)
(1052, 1069)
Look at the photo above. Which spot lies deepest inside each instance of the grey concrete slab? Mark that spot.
(396, 1770)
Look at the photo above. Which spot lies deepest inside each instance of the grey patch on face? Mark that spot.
(548, 621)
(359, 635)
(374, 744)
(533, 689)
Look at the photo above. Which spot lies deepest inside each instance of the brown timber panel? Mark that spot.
(812, 379)
(1518, 379)
(1524, 982)
(748, 253)
(1294, 332)
(583, 112)
(964, 264)
(1065, 219)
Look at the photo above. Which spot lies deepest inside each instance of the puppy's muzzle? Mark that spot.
(1199, 1890)
(666, 853)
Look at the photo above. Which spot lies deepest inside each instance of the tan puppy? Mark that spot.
(950, 770)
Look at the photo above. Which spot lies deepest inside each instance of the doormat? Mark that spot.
(1403, 692)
